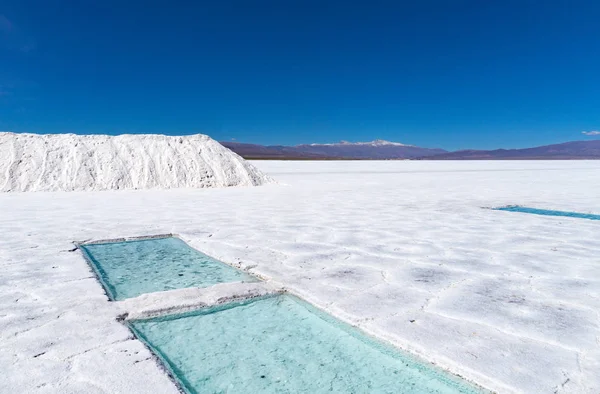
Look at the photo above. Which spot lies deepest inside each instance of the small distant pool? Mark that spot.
(281, 344)
(131, 268)
(546, 212)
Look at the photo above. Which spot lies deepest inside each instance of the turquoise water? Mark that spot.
(283, 345)
(131, 268)
(546, 212)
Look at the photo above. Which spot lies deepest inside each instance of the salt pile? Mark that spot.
(68, 162)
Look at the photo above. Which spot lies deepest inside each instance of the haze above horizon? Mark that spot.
(454, 75)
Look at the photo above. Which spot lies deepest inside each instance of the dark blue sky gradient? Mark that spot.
(452, 74)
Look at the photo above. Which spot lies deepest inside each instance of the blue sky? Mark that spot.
(452, 74)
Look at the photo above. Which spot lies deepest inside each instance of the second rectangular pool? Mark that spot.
(281, 344)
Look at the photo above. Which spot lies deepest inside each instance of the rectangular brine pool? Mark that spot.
(280, 344)
(131, 268)
(546, 212)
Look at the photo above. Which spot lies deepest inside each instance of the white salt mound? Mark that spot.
(69, 162)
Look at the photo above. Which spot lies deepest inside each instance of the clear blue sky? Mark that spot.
(452, 74)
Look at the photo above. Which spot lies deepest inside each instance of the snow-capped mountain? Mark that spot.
(373, 150)
(370, 143)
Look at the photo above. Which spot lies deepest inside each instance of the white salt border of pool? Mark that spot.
(182, 300)
(178, 301)
(185, 300)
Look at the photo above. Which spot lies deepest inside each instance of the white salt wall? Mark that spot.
(402, 249)
(67, 162)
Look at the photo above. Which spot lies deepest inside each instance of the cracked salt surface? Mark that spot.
(401, 249)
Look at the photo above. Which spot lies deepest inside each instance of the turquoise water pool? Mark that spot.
(281, 344)
(131, 268)
(546, 212)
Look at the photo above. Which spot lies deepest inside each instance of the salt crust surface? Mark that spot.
(402, 249)
(67, 162)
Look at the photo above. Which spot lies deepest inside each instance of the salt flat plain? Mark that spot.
(402, 249)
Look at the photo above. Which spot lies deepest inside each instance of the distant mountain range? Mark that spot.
(374, 150)
(386, 150)
(566, 151)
